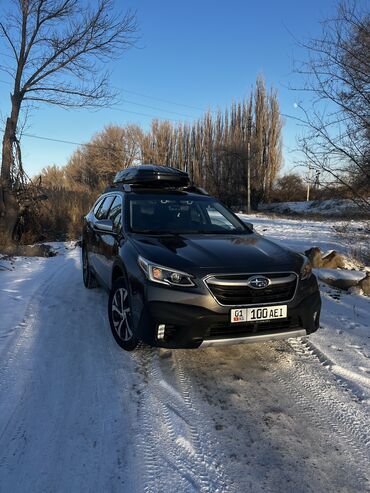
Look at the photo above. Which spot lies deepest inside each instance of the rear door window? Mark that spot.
(102, 212)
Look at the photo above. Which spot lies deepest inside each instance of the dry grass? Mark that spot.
(60, 217)
(357, 239)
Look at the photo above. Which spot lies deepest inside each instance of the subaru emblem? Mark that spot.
(258, 282)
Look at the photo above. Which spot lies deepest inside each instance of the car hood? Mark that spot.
(217, 253)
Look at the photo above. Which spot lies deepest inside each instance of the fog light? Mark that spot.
(160, 331)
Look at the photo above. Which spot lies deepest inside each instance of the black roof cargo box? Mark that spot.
(153, 175)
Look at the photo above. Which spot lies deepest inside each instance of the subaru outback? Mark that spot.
(184, 271)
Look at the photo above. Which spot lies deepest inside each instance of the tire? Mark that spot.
(89, 279)
(120, 319)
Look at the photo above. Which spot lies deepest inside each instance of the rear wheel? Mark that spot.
(89, 279)
(120, 315)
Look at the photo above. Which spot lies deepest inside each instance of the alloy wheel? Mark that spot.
(121, 314)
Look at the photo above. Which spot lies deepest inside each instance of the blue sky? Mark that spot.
(194, 53)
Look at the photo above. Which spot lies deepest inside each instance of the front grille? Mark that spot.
(227, 294)
(228, 330)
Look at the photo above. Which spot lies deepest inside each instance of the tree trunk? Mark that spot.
(9, 213)
(9, 207)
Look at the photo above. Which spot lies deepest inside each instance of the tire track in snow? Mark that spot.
(352, 418)
(326, 407)
(16, 386)
(174, 440)
(29, 312)
(10, 351)
(64, 407)
(305, 348)
(204, 442)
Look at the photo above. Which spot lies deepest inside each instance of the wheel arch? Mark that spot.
(118, 271)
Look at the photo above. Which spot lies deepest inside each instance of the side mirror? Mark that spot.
(249, 225)
(104, 225)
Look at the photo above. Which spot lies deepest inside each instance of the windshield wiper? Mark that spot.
(147, 231)
(156, 232)
(221, 232)
(188, 232)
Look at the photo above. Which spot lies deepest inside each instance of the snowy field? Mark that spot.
(332, 207)
(77, 414)
(343, 341)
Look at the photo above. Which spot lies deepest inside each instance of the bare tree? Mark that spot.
(219, 148)
(58, 50)
(217, 151)
(337, 74)
(289, 187)
(94, 165)
(54, 177)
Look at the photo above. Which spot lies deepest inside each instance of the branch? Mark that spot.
(65, 40)
(5, 33)
(94, 36)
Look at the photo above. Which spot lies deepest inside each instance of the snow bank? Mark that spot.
(353, 276)
(333, 207)
(340, 278)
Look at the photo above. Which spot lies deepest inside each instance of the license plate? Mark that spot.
(258, 314)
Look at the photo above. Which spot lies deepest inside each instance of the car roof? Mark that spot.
(154, 191)
(154, 188)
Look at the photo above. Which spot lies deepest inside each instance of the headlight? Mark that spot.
(306, 269)
(164, 275)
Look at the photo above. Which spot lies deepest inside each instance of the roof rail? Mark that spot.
(125, 187)
(194, 189)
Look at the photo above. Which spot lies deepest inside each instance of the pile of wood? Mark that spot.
(332, 260)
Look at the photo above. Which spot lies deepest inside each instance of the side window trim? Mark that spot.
(119, 197)
(99, 208)
(114, 199)
(97, 205)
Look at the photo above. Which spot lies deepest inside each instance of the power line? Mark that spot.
(154, 108)
(50, 139)
(154, 98)
(123, 110)
(162, 100)
(70, 142)
(32, 136)
(147, 96)
(61, 141)
(284, 115)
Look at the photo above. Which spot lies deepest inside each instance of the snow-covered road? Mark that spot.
(77, 414)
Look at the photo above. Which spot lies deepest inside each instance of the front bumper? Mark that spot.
(195, 319)
(253, 338)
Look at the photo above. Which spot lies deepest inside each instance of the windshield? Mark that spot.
(180, 214)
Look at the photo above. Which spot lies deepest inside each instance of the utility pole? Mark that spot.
(308, 182)
(249, 178)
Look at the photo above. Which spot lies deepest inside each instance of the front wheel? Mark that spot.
(120, 315)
